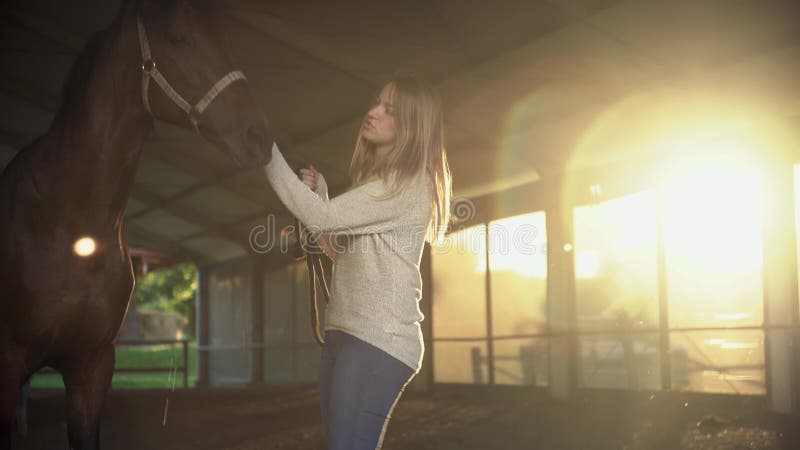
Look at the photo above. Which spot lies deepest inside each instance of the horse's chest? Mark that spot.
(61, 275)
(52, 299)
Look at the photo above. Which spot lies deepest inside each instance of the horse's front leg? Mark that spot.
(87, 384)
(11, 380)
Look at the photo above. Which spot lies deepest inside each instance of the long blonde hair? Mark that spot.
(419, 148)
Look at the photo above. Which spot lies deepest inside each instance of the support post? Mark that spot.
(256, 343)
(563, 354)
(202, 324)
(780, 287)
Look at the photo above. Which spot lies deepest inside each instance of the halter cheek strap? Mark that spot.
(149, 70)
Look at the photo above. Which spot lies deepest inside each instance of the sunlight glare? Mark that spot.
(84, 246)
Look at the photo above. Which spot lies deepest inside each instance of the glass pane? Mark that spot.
(519, 274)
(278, 307)
(718, 361)
(623, 361)
(459, 284)
(229, 322)
(712, 235)
(279, 355)
(278, 364)
(307, 366)
(520, 362)
(616, 265)
(460, 362)
(306, 350)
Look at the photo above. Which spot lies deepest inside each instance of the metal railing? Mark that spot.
(22, 404)
(184, 368)
(626, 363)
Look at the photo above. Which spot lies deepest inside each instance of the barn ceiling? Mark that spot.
(522, 82)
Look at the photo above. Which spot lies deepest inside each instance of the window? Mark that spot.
(459, 308)
(518, 265)
(713, 244)
(616, 292)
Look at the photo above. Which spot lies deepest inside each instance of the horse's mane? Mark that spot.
(71, 91)
(75, 83)
(204, 6)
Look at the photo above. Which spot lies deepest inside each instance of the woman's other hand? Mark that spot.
(309, 177)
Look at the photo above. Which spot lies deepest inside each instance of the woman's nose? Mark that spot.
(373, 113)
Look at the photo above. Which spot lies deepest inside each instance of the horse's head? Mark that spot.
(187, 49)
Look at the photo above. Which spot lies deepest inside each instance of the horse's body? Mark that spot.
(63, 310)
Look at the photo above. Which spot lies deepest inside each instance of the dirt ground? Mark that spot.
(448, 418)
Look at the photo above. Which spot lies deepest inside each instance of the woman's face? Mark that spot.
(378, 127)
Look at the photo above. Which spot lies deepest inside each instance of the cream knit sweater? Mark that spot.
(376, 286)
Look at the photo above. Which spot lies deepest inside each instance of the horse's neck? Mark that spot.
(95, 148)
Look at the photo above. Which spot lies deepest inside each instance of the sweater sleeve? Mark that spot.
(355, 212)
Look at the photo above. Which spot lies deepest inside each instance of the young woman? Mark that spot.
(375, 232)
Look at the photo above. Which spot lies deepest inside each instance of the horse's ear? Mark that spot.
(158, 12)
(163, 5)
(210, 6)
(197, 5)
(128, 8)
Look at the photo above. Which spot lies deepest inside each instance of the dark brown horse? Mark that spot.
(58, 308)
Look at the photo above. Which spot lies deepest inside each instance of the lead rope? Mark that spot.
(308, 248)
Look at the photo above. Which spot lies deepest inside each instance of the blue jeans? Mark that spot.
(359, 386)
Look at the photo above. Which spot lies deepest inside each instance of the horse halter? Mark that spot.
(149, 70)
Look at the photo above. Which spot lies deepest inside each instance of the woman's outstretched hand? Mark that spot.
(309, 177)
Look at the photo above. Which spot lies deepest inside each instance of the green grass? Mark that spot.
(153, 356)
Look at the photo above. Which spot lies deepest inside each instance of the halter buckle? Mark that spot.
(148, 66)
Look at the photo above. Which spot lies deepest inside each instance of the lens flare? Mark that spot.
(84, 246)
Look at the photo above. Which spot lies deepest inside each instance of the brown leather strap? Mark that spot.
(308, 248)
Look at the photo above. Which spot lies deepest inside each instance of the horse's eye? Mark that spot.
(177, 40)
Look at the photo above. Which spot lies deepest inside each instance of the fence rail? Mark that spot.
(152, 369)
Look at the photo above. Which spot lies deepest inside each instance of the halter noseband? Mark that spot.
(149, 70)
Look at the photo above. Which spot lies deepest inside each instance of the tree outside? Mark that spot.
(171, 290)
